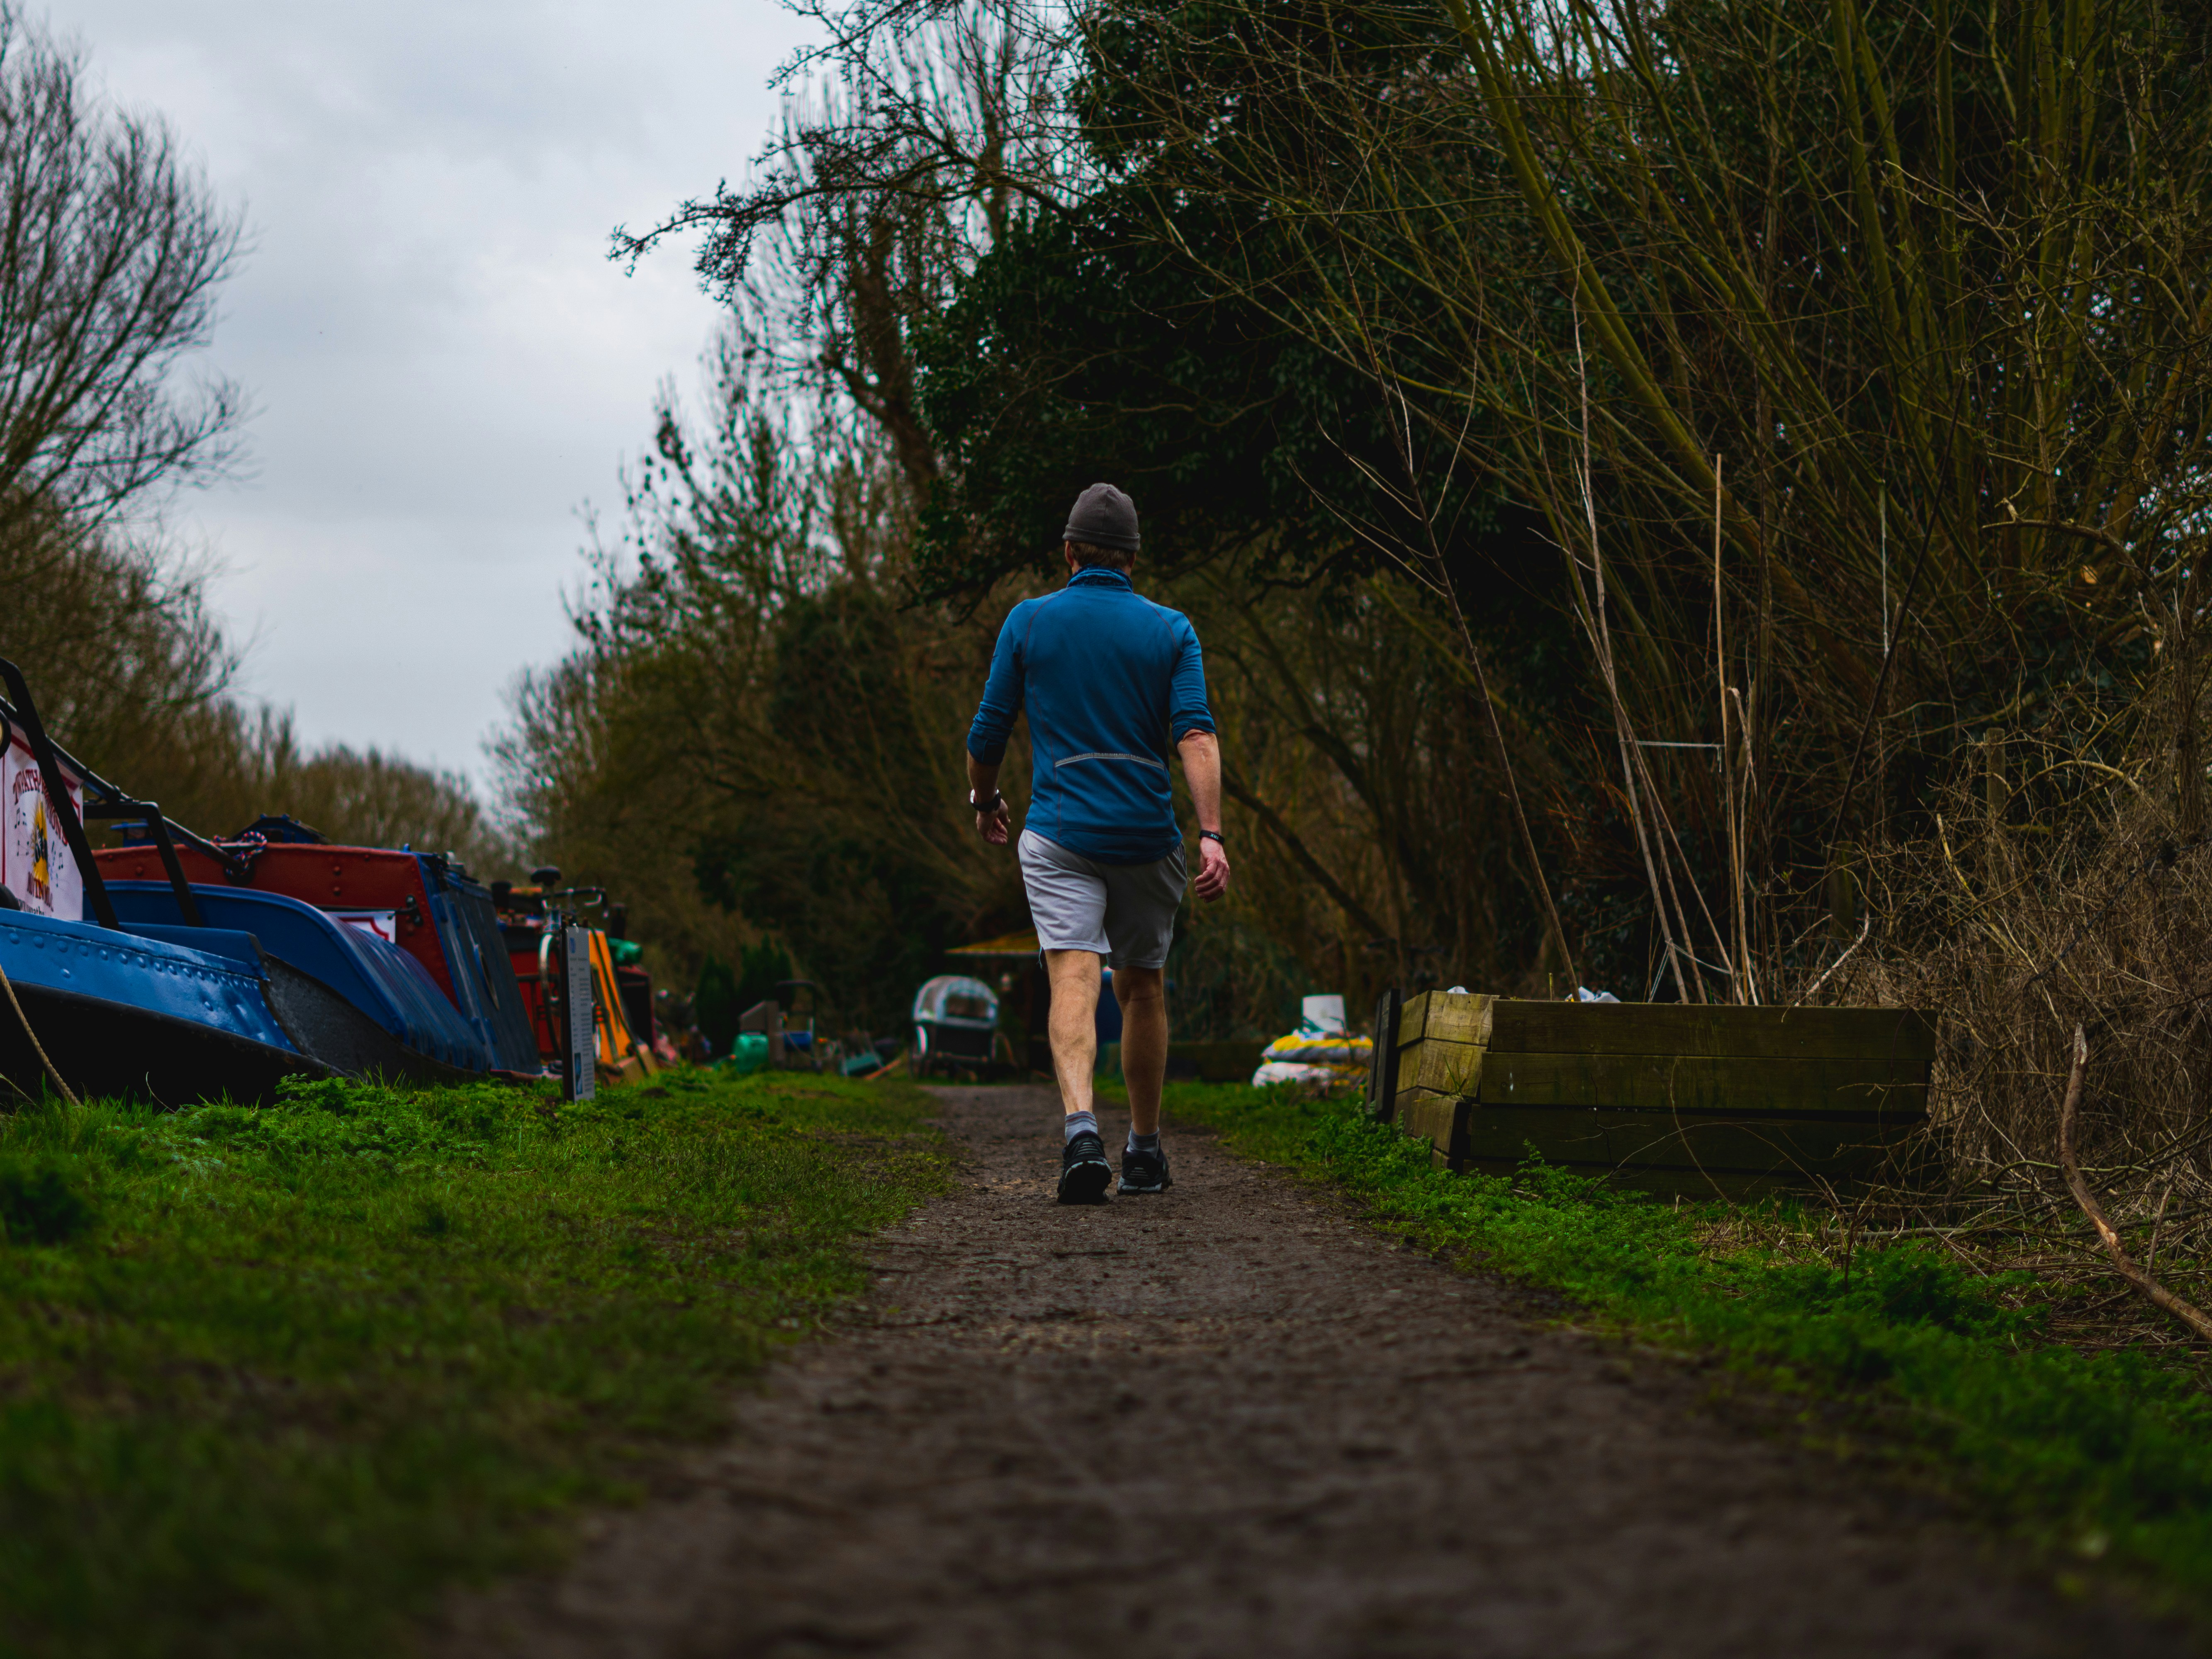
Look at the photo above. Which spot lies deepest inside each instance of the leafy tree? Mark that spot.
(112, 251)
(1883, 326)
(718, 1003)
(1736, 411)
(762, 969)
(751, 737)
(1043, 338)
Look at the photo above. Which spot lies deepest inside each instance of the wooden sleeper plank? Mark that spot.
(1445, 1016)
(1623, 1028)
(1449, 1068)
(1438, 1119)
(1575, 1136)
(1693, 1083)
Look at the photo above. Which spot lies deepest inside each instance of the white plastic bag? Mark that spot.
(1318, 1051)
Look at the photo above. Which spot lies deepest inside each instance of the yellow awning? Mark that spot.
(1024, 944)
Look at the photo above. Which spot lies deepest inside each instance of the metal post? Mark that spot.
(187, 905)
(157, 828)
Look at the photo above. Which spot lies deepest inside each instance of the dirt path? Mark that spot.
(1229, 1420)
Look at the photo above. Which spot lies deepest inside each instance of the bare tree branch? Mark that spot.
(2155, 1293)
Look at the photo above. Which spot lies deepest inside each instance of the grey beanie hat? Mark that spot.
(1104, 517)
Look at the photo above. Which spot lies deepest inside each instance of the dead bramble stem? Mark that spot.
(2187, 1312)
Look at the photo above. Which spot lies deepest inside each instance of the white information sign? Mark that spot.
(583, 1040)
(35, 864)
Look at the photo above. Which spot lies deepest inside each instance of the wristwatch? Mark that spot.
(993, 804)
(1214, 835)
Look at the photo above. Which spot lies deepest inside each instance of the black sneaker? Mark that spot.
(1145, 1172)
(1084, 1171)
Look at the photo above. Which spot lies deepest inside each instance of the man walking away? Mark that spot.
(1111, 683)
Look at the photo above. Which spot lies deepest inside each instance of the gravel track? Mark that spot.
(1229, 1419)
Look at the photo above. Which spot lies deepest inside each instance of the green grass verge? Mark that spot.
(270, 1379)
(2104, 1456)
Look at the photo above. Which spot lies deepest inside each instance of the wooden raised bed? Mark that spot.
(1664, 1096)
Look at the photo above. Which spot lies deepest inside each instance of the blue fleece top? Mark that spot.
(1111, 683)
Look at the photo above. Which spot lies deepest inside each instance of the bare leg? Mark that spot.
(1142, 997)
(1074, 975)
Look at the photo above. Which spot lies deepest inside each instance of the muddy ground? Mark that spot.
(1227, 1421)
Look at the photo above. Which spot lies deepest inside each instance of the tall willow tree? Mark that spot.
(1854, 358)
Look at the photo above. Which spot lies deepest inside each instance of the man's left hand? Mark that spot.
(1212, 879)
(993, 825)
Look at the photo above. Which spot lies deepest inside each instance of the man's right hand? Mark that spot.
(1212, 879)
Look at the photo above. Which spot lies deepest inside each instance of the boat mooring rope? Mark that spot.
(52, 1071)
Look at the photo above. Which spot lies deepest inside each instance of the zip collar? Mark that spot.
(1102, 575)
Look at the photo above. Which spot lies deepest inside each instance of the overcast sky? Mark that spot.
(444, 364)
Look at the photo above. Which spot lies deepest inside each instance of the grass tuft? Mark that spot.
(316, 1362)
(40, 1202)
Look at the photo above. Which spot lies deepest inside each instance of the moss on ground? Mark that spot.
(270, 1379)
(2101, 1458)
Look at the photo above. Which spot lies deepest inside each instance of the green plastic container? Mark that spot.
(749, 1054)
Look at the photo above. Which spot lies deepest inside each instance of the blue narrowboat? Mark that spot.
(174, 989)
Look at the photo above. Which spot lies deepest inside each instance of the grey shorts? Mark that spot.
(1125, 912)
